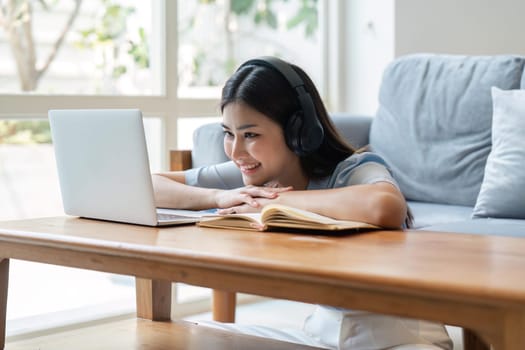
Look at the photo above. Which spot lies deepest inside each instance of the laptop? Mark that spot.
(103, 167)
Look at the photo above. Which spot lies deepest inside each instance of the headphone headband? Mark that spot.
(279, 65)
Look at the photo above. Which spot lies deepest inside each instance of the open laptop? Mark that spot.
(103, 166)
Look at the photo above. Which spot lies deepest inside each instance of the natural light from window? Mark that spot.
(215, 37)
(78, 47)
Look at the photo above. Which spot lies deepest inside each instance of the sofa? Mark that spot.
(434, 129)
(451, 130)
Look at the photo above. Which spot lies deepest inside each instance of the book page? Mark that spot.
(275, 215)
(246, 221)
(280, 216)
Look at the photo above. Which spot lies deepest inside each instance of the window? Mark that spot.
(167, 58)
(217, 36)
(81, 47)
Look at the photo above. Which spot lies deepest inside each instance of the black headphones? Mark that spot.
(303, 131)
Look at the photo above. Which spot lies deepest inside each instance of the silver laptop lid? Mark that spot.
(103, 164)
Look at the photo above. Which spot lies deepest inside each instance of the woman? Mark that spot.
(284, 149)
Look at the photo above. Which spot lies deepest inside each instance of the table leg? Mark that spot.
(471, 341)
(513, 336)
(506, 333)
(224, 306)
(4, 283)
(153, 299)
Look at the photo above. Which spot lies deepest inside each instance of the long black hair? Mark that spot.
(268, 92)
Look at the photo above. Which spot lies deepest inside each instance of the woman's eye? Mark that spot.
(227, 133)
(250, 135)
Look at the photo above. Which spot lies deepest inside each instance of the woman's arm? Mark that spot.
(380, 203)
(171, 191)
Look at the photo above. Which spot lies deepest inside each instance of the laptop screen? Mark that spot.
(103, 165)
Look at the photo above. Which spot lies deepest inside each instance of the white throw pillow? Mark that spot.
(502, 192)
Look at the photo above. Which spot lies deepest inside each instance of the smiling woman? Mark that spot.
(284, 149)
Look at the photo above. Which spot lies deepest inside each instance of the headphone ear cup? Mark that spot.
(292, 132)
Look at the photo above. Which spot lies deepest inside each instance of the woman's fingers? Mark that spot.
(249, 199)
(238, 209)
(226, 211)
(266, 192)
(249, 195)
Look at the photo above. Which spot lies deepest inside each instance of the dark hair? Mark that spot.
(268, 92)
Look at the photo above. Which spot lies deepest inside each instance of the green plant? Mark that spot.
(24, 131)
(110, 32)
(307, 14)
(140, 50)
(264, 13)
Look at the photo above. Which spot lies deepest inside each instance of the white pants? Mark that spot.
(332, 328)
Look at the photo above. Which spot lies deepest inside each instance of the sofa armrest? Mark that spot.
(354, 128)
(208, 146)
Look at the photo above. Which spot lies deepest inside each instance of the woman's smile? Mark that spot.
(248, 169)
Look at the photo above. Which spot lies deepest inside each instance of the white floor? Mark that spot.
(274, 313)
(282, 314)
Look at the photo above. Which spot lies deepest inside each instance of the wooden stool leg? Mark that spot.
(224, 306)
(4, 283)
(471, 341)
(153, 299)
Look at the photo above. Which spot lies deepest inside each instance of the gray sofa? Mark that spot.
(434, 127)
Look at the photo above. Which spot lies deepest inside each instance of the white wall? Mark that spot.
(376, 31)
(476, 27)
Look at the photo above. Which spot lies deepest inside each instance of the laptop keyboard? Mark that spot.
(169, 217)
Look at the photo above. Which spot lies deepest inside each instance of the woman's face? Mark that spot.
(257, 146)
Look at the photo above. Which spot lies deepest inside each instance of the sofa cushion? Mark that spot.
(429, 214)
(433, 126)
(355, 129)
(483, 226)
(502, 192)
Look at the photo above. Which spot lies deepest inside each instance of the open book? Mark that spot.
(275, 216)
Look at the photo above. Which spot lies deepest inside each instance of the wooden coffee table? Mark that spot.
(472, 281)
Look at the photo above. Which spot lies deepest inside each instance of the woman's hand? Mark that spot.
(246, 208)
(246, 199)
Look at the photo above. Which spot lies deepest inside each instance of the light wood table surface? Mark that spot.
(472, 281)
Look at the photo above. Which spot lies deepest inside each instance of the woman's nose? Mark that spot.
(237, 149)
